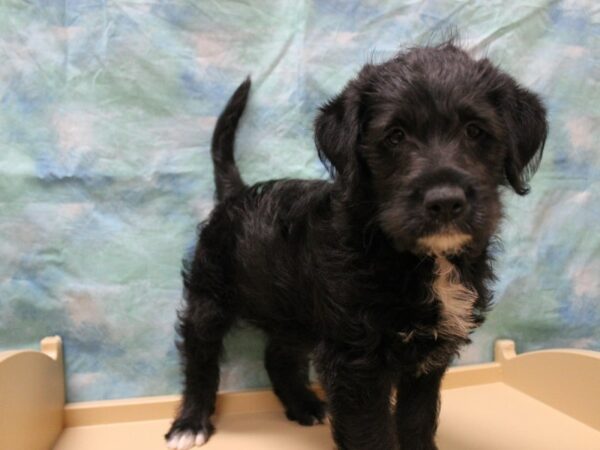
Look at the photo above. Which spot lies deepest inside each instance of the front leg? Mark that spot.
(358, 396)
(417, 409)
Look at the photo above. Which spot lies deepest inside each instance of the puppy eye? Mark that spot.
(473, 131)
(395, 137)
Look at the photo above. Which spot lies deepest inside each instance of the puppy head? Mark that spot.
(428, 138)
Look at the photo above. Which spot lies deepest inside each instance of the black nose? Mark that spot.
(445, 202)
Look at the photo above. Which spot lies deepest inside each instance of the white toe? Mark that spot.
(200, 439)
(172, 442)
(186, 441)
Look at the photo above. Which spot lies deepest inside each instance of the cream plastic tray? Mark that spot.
(535, 401)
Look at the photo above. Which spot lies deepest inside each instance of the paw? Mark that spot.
(307, 413)
(184, 440)
(185, 434)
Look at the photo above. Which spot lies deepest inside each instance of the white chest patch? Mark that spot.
(457, 300)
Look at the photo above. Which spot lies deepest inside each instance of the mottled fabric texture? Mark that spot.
(105, 122)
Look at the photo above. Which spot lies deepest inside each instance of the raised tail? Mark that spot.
(227, 177)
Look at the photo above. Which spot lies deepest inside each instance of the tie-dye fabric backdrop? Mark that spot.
(106, 113)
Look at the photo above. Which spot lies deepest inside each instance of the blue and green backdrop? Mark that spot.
(106, 113)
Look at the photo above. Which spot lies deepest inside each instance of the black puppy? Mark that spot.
(380, 275)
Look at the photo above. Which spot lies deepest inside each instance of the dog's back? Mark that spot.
(273, 267)
(270, 225)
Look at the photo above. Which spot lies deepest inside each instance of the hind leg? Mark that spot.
(287, 366)
(202, 328)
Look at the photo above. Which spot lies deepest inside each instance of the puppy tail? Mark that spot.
(227, 177)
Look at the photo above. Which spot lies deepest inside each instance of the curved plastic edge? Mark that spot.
(565, 379)
(32, 396)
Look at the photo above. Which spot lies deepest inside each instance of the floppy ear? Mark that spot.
(338, 130)
(527, 128)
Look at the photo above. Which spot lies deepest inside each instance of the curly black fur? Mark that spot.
(341, 271)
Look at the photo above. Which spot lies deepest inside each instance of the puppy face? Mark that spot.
(428, 138)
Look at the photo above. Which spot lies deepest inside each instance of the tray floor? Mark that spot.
(490, 416)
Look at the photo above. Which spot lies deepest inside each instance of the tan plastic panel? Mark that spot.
(490, 416)
(249, 431)
(114, 411)
(536, 401)
(31, 397)
(568, 380)
(497, 417)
